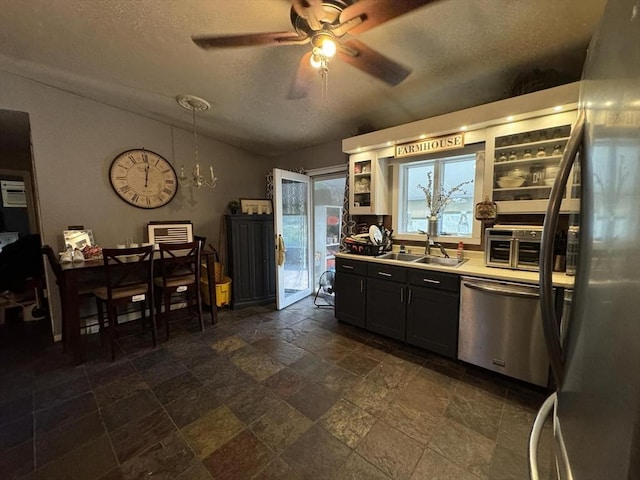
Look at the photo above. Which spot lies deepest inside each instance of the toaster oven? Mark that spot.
(514, 247)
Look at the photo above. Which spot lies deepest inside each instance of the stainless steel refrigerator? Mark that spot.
(596, 408)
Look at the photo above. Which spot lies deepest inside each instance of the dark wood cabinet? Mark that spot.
(416, 306)
(251, 258)
(432, 312)
(386, 308)
(350, 289)
(386, 300)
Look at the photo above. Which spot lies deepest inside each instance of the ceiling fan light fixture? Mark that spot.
(329, 47)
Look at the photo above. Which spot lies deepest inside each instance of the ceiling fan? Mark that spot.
(324, 24)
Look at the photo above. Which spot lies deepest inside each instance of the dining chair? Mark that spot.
(201, 239)
(85, 291)
(180, 265)
(128, 280)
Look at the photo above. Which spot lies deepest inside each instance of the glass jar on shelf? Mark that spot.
(512, 155)
(502, 157)
(527, 153)
(541, 152)
(557, 150)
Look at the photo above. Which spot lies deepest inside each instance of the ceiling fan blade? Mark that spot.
(303, 79)
(312, 11)
(247, 40)
(375, 12)
(357, 54)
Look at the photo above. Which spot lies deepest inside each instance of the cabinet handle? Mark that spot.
(384, 274)
(402, 295)
(428, 280)
(361, 286)
(409, 298)
(347, 267)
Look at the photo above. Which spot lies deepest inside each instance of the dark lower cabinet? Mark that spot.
(416, 306)
(386, 308)
(350, 288)
(386, 300)
(432, 313)
(251, 258)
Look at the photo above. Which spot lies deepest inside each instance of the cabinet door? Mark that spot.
(432, 320)
(350, 298)
(523, 160)
(386, 308)
(265, 242)
(368, 189)
(252, 260)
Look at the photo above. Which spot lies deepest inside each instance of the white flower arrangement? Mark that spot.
(436, 202)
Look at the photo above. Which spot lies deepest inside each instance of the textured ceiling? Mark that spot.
(138, 55)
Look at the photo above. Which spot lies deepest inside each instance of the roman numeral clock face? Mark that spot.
(143, 178)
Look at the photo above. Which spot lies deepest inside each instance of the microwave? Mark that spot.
(514, 247)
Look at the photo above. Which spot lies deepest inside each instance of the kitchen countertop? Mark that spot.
(474, 266)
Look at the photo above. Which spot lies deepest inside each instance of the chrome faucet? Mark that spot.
(430, 242)
(427, 246)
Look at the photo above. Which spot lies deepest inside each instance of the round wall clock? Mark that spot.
(143, 178)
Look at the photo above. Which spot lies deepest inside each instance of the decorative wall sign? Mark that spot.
(256, 205)
(430, 145)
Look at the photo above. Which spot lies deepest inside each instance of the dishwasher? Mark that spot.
(501, 329)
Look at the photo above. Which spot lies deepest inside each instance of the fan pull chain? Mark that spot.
(325, 84)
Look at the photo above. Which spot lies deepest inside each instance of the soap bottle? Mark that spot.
(460, 251)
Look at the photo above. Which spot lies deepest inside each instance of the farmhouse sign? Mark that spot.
(430, 145)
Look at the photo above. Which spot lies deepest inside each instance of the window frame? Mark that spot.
(478, 191)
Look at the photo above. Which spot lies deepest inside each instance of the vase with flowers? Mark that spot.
(437, 201)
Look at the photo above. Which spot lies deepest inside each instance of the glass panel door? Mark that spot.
(292, 204)
(328, 199)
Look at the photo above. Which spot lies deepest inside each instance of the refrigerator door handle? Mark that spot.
(547, 301)
(536, 433)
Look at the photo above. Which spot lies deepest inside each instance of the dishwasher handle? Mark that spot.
(502, 289)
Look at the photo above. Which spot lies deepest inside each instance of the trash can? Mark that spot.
(223, 291)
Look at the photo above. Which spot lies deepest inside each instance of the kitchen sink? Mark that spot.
(447, 262)
(412, 258)
(403, 257)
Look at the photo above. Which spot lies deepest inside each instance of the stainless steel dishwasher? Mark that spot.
(501, 329)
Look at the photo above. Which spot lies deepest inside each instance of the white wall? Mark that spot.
(74, 141)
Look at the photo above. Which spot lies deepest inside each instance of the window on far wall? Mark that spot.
(447, 170)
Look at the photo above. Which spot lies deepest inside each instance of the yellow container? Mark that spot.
(223, 291)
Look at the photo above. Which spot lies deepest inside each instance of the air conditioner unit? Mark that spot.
(13, 193)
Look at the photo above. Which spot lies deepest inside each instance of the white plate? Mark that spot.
(375, 235)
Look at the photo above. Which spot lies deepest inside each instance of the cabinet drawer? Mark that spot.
(387, 272)
(351, 266)
(439, 280)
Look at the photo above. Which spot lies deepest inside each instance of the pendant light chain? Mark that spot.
(197, 179)
(195, 136)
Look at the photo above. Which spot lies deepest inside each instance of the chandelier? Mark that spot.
(197, 179)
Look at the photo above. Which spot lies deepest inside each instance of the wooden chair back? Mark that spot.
(126, 268)
(180, 263)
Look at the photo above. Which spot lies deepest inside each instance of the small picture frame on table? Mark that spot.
(260, 206)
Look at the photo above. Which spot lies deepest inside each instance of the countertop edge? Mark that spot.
(473, 268)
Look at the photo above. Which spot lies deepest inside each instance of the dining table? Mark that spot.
(74, 274)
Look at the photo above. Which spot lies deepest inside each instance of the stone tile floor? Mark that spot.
(263, 394)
